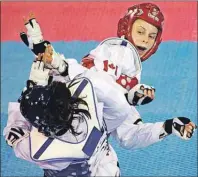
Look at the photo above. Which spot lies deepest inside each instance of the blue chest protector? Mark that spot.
(62, 148)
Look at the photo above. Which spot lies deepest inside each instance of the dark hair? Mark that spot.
(52, 109)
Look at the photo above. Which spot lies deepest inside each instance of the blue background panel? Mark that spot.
(172, 71)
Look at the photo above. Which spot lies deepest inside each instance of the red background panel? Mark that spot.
(92, 20)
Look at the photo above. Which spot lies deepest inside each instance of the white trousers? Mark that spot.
(108, 165)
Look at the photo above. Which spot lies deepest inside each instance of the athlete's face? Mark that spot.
(143, 35)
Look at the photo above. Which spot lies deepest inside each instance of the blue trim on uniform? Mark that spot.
(43, 148)
(92, 141)
(80, 88)
(103, 126)
(50, 140)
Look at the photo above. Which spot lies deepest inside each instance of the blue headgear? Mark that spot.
(47, 108)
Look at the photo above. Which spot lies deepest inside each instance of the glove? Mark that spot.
(34, 39)
(55, 60)
(177, 127)
(39, 74)
(60, 64)
(136, 95)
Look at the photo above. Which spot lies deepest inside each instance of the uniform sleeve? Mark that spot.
(15, 118)
(59, 62)
(74, 68)
(131, 136)
(17, 131)
(138, 77)
(22, 147)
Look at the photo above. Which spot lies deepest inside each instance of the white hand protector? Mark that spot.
(39, 74)
(34, 31)
(34, 38)
(177, 127)
(15, 135)
(59, 62)
(136, 95)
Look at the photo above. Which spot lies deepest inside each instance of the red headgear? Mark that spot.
(148, 12)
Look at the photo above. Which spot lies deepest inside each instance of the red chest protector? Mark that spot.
(123, 80)
(127, 82)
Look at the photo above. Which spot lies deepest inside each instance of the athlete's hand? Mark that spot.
(141, 94)
(34, 38)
